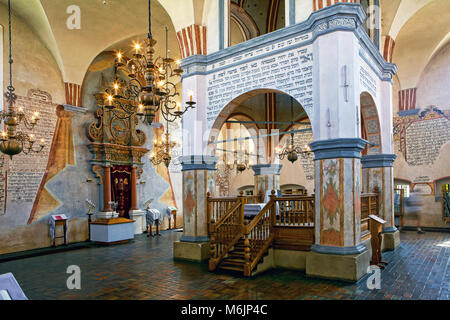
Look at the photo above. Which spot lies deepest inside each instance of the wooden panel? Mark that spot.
(292, 238)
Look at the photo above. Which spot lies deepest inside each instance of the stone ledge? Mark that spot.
(191, 251)
(340, 267)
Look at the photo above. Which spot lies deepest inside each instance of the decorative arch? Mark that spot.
(370, 125)
(227, 111)
(245, 22)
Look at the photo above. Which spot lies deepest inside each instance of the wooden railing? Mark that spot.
(218, 207)
(291, 218)
(226, 231)
(295, 211)
(259, 235)
(369, 206)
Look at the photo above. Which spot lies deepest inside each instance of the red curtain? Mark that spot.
(121, 189)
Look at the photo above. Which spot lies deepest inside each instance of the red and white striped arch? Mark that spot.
(320, 4)
(192, 40)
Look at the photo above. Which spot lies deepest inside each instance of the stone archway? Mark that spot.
(370, 125)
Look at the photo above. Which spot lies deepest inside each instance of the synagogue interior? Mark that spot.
(225, 149)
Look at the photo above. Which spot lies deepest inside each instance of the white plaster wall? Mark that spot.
(432, 88)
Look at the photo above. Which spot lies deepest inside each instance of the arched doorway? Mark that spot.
(268, 118)
(370, 125)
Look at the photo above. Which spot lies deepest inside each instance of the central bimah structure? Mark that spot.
(331, 67)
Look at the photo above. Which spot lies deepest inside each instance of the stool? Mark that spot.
(63, 224)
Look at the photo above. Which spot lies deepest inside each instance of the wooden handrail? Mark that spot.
(260, 215)
(227, 215)
(226, 232)
(259, 235)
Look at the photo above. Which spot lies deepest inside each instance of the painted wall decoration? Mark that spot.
(62, 154)
(188, 196)
(331, 208)
(414, 132)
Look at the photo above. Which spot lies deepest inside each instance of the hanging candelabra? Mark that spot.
(148, 84)
(13, 141)
(291, 151)
(163, 150)
(241, 158)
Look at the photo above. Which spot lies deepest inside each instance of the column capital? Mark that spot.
(338, 148)
(198, 162)
(262, 169)
(378, 160)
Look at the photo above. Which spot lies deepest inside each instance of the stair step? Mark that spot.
(233, 263)
(236, 255)
(231, 268)
(234, 260)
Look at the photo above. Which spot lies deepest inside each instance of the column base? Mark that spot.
(191, 251)
(338, 266)
(390, 240)
(106, 215)
(140, 222)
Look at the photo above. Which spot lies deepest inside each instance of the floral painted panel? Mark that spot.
(331, 204)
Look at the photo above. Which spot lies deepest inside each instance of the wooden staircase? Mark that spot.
(239, 245)
(235, 260)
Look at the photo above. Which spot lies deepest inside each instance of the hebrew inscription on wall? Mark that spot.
(367, 81)
(26, 171)
(307, 160)
(425, 140)
(290, 71)
(2, 186)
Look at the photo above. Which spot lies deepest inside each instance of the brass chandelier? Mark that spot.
(241, 158)
(291, 151)
(148, 84)
(13, 141)
(163, 150)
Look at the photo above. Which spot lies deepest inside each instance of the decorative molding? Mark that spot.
(342, 251)
(339, 17)
(98, 171)
(378, 161)
(269, 169)
(200, 162)
(338, 148)
(75, 109)
(194, 239)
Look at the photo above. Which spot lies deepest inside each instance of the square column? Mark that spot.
(267, 177)
(198, 180)
(378, 177)
(338, 251)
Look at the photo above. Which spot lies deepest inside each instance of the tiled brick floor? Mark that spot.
(145, 269)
